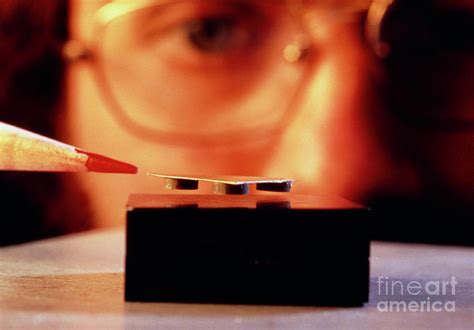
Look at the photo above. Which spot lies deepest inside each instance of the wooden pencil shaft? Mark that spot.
(21, 150)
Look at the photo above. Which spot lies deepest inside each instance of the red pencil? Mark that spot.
(22, 150)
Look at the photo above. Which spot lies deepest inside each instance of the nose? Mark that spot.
(340, 140)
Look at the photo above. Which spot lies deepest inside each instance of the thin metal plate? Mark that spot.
(230, 185)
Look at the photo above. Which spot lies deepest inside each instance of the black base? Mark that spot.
(257, 249)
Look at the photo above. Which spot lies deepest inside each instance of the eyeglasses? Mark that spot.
(211, 71)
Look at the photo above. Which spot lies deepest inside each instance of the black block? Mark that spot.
(254, 249)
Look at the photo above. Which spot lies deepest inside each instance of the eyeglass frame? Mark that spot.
(75, 51)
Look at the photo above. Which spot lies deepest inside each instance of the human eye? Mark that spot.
(206, 35)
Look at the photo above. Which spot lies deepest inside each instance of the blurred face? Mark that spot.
(270, 88)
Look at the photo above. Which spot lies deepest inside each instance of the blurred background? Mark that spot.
(423, 77)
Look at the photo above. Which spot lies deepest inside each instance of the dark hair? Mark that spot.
(35, 205)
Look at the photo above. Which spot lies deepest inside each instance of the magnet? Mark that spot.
(231, 185)
(273, 249)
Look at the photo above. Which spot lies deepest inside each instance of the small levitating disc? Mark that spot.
(284, 186)
(182, 184)
(231, 189)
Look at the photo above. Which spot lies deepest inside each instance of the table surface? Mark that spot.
(77, 281)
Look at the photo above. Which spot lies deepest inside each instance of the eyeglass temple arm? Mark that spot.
(373, 27)
(376, 10)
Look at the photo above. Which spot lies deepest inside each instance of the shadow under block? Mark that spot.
(281, 249)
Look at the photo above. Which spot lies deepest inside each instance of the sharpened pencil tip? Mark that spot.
(103, 164)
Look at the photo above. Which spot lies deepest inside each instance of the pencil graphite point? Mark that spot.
(103, 164)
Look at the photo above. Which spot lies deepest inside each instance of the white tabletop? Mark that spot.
(77, 281)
